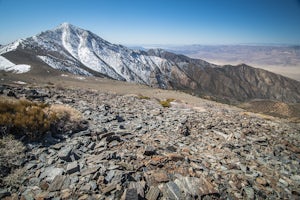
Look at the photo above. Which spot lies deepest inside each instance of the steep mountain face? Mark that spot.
(72, 49)
(78, 51)
(234, 83)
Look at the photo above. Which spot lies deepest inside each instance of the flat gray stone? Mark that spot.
(171, 191)
(66, 183)
(195, 186)
(86, 187)
(72, 167)
(51, 172)
(149, 151)
(90, 170)
(109, 176)
(130, 194)
(153, 193)
(109, 188)
(57, 183)
(139, 186)
(65, 154)
(4, 193)
(76, 154)
(248, 192)
(91, 145)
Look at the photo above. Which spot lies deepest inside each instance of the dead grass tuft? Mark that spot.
(66, 118)
(23, 118)
(64, 112)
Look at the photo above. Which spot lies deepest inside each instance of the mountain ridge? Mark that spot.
(72, 49)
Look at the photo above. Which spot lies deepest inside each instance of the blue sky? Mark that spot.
(136, 22)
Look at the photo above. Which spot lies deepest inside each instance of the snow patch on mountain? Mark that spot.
(58, 64)
(10, 47)
(72, 49)
(6, 65)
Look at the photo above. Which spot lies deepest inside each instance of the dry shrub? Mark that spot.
(64, 112)
(11, 152)
(24, 118)
(15, 178)
(32, 120)
(66, 118)
(5, 147)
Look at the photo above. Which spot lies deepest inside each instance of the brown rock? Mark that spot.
(84, 197)
(160, 176)
(261, 181)
(175, 157)
(109, 188)
(65, 194)
(156, 160)
(44, 185)
(42, 196)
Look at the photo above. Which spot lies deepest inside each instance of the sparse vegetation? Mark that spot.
(274, 108)
(23, 118)
(140, 96)
(30, 121)
(11, 152)
(66, 118)
(14, 179)
(166, 103)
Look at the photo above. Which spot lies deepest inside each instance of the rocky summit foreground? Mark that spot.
(136, 149)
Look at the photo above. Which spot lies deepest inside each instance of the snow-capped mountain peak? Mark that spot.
(70, 48)
(10, 47)
(66, 25)
(79, 51)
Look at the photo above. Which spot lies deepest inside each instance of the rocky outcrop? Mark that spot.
(136, 149)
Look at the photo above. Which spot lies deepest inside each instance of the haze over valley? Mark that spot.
(280, 59)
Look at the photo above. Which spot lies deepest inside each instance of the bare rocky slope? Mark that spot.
(72, 49)
(134, 148)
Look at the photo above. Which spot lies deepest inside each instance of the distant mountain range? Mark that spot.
(78, 51)
(281, 59)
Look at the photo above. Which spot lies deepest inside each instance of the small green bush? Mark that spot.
(166, 103)
(143, 97)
